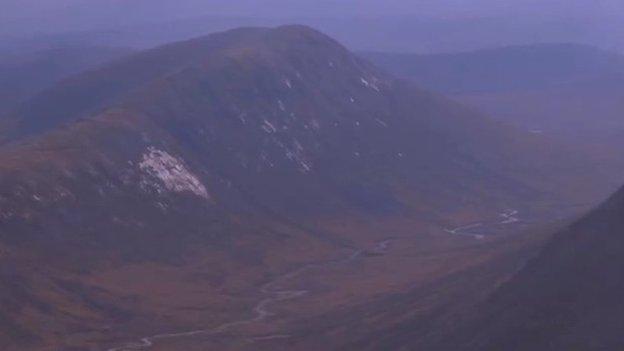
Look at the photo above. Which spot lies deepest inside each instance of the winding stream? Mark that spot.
(508, 217)
(261, 310)
(274, 294)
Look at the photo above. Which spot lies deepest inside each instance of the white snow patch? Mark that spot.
(296, 155)
(171, 173)
(298, 145)
(162, 206)
(305, 167)
(384, 124)
(264, 158)
(369, 84)
(242, 118)
(269, 127)
(7, 214)
(510, 216)
(316, 125)
(61, 193)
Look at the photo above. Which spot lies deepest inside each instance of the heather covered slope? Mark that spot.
(218, 162)
(332, 99)
(282, 120)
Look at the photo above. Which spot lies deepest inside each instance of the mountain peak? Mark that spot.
(88, 93)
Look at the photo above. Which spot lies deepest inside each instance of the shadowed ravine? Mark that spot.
(261, 310)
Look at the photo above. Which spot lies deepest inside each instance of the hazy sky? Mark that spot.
(20, 18)
(173, 8)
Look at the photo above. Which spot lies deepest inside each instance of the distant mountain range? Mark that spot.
(28, 73)
(505, 69)
(124, 26)
(566, 91)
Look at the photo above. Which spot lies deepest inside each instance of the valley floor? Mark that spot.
(399, 270)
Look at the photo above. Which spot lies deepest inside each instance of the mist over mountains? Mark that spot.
(400, 175)
(403, 26)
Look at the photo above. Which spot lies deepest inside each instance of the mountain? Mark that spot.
(24, 74)
(157, 192)
(549, 88)
(568, 92)
(568, 297)
(505, 69)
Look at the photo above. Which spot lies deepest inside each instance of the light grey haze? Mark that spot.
(363, 24)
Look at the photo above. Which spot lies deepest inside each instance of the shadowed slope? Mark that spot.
(569, 297)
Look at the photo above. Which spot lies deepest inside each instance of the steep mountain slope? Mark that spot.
(26, 74)
(569, 297)
(221, 161)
